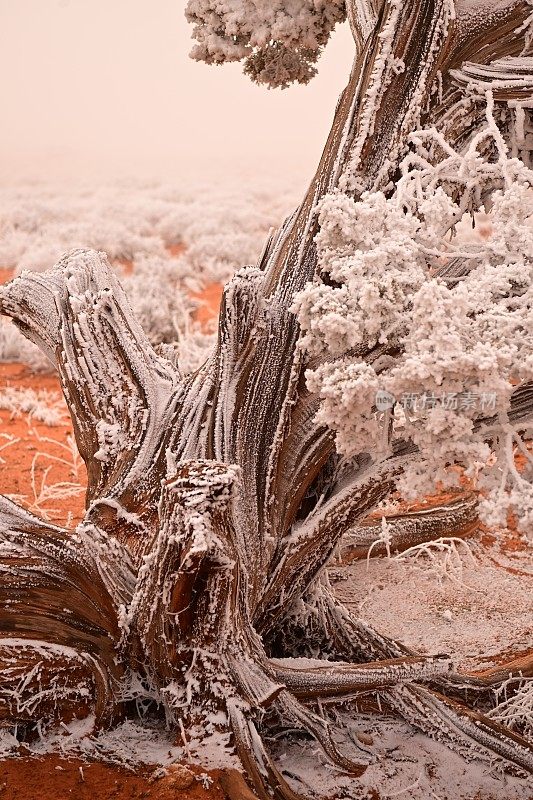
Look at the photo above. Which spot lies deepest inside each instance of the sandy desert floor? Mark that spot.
(53, 778)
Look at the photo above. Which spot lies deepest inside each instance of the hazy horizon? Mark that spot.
(106, 90)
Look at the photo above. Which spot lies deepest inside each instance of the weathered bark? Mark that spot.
(215, 501)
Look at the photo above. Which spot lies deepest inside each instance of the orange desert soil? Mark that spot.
(36, 455)
(53, 778)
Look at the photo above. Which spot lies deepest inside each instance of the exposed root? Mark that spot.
(42, 680)
(235, 786)
(325, 678)
(264, 776)
(63, 617)
(473, 734)
(442, 708)
(517, 668)
(319, 728)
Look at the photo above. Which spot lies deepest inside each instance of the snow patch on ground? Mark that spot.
(405, 762)
(407, 765)
(489, 612)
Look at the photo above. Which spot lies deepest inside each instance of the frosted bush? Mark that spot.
(449, 351)
(41, 405)
(14, 347)
(514, 705)
(221, 232)
(279, 42)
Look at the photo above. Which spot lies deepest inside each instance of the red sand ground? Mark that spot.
(54, 778)
(38, 446)
(209, 303)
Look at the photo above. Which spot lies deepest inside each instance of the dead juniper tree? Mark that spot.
(215, 500)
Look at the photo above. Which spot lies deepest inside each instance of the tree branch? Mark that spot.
(456, 517)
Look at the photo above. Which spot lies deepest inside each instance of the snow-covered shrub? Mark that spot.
(279, 42)
(410, 349)
(42, 405)
(14, 347)
(514, 705)
(175, 239)
(220, 230)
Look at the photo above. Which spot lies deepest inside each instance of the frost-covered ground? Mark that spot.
(477, 608)
(171, 240)
(407, 763)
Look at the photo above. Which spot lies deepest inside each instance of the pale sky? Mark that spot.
(106, 87)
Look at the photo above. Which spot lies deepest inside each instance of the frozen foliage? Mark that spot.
(157, 292)
(444, 557)
(279, 42)
(14, 347)
(42, 405)
(514, 705)
(448, 348)
(221, 230)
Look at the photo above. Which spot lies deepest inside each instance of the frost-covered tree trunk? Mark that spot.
(215, 500)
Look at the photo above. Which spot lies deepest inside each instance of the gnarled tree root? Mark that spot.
(58, 619)
(216, 500)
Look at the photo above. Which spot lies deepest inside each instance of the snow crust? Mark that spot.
(475, 617)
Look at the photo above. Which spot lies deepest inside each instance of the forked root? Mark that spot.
(471, 733)
(448, 707)
(320, 730)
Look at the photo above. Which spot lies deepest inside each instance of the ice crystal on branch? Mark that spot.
(389, 314)
(278, 42)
